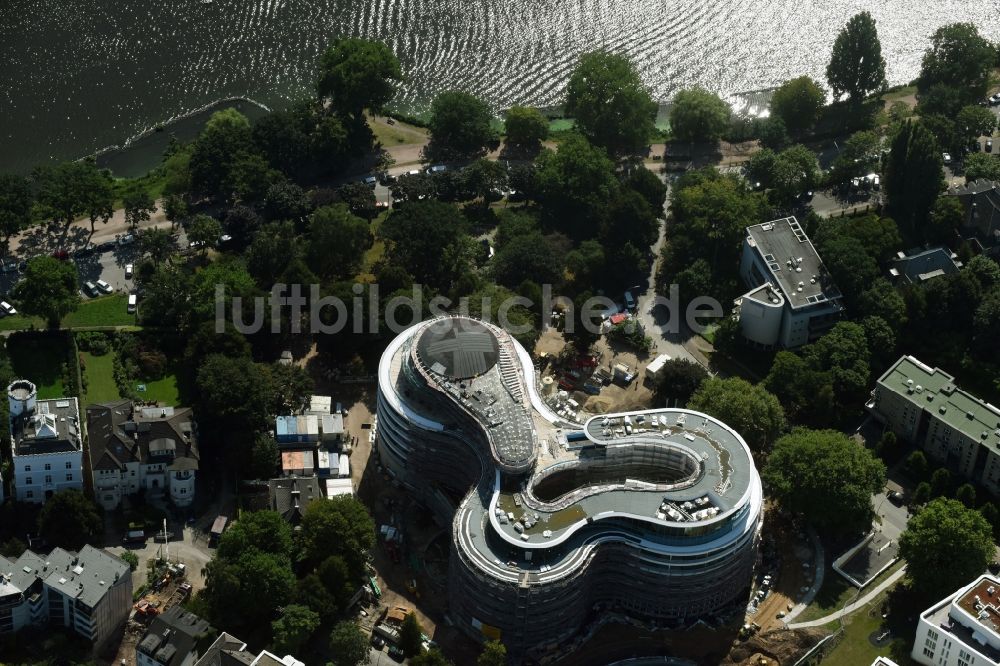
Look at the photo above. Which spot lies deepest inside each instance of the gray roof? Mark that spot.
(84, 576)
(224, 651)
(291, 495)
(923, 265)
(794, 264)
(175, 634)
(53, 427)
(119, 434)
(458, 348)
(981, 199)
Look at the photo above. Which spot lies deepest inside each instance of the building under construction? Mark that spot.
(653, 517)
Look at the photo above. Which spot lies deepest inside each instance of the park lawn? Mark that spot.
(40, 359)
(21, 323)
(836, 593)
(99, 371)
(102, 311)
(854, 647)
(398, 134)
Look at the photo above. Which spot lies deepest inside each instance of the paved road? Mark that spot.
(192, 550)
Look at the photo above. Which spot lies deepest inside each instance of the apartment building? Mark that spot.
(89, 592)
(46, 443)
(924, 406)
(150, 448)
(962, 629)
(792, 299)
(174, 638)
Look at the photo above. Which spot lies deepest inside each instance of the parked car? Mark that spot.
(989, 146)
(105, 287)
(629, 301)
(946, 157)
(128, 270)
(378, 642)
(132, 302)
(994, 99)
(7, 308)
(876, 183)
(90, 288)
(370, 181)
(895, 497)
(437, 168)
(124, 239)
(134, 537)
(8, 265)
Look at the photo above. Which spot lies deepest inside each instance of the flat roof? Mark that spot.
(53, 427)
(458, 347)
(935, 390)
(794, 264)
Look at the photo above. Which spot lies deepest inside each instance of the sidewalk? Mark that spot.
(857, 604)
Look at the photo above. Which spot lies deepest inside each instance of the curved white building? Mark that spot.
(653, 515)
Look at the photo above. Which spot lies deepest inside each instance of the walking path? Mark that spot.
(859, 603)
(819, 564)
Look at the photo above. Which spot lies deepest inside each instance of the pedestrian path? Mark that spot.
(859, 603)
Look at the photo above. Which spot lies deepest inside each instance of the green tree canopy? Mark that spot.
(294, 627)
(798, 103)
(526, 128)
(337, 242)
(859, 156)
(233, 390)
(224, 160)
(977, 165)
(649, 185)
(959, 57)
(246, 591)
(699, 115)
(612, 107)
(69, 520)
(528, 257)
(348, 644)
(266, 531)
(339, 526)
(138, 204)
(461, 127)
(857, 67)
(974, 121)
(749, 409)
(70, 190)
(843, 352)
(945, 545)
(678, 380)
(157, 244)
(48, 289)
(204, 230)
(428, 239)
(913, 175)
(805, 392)
(574, 185)
(432, 657)
(494, 654)
(825, 477)
(358, 74)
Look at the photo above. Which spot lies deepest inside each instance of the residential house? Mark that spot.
(290, 496)
(916, 267)
(154, 449)
(792, 299)
(89, 592)
(46, 443)
(174, 638)
(227, 650)
(924, 406)
(963, 629)
(981, 201)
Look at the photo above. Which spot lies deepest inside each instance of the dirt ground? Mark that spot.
(783, 646)
(790, 579)
(136, 627)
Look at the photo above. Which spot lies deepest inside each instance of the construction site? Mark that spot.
(166, 586)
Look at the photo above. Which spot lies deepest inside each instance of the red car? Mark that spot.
(62, 254)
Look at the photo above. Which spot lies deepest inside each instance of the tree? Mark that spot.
(131, 559)
(49, 289)
(73, 189)
(648, 184)
(747, 408)
(337, 243)
(285, 200)
(795, 171)
(358, 74)
(974, 121)
(432, 657)
(977, 165)
(291, 388)
(945, 545)
(843, 352)
(913, 175)
(574, 185)
(857, 67)
(266, 531)
(771, 131)
(966, 494)
(138, 204)
(69, 520)
(990, 512)
(157, 244)
(461, 127)
(411, 635)
(922, 493)
(940, 481)
(859, 156)
(245, 592)
(264, 457)
(222, 159)
(678, 380)
(204, 230)
(699, 115)
(294, 627)
(798, 102)
(916, 465)
(528, 257)
(526, 128)
(339, 526)
(494, 654)
(612, 107)
(428, 239)
(805, 392)
(233, 390)
(825, 477)
(959, 57)
(16, 200)
(348, 644)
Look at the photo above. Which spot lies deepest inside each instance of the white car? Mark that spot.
(130, 308)
(946, 157)
(104, 286)
(7, 308)
(128, 270)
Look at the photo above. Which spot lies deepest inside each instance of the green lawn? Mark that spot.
(40, 359)
(164, 390)
(855, 648)
(99, 373)
(102, 311)
(836, 593)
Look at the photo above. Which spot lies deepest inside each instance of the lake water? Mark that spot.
(79, 75)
